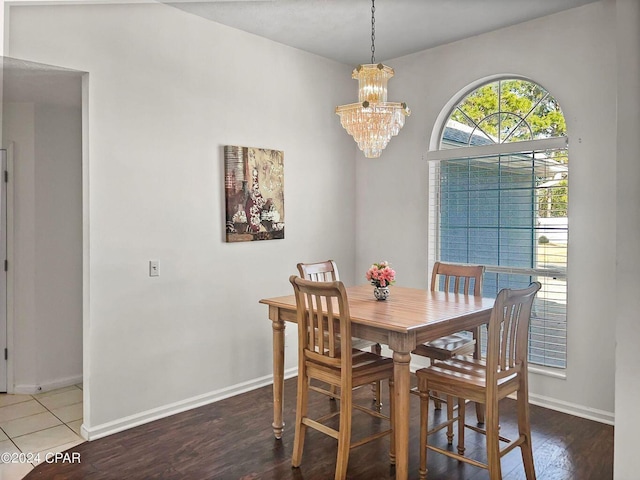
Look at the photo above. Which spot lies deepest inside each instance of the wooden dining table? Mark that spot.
(407, 318)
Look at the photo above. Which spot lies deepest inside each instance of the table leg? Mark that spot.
(278, 376)
(402, 385)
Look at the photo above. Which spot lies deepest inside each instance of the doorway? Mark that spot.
(41, 294)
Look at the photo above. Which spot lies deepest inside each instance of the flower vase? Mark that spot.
(381, 293)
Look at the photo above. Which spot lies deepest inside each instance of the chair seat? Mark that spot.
(461, 372)
(461, 343)
(366, 367)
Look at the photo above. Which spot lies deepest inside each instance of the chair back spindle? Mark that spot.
(508, 332)
(457, 278)
(322, 309)
(320, 271)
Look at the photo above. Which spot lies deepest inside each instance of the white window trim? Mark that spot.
(497, 149)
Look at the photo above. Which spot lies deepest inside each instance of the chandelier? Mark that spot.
(372, 121)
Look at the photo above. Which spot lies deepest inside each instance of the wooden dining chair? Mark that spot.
(462, 279)
(503, 373)
(329, 357)
(327, 271)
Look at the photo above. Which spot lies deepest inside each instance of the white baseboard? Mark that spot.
(47, 386)
(572, 409)
(141, 418)
(109, 428)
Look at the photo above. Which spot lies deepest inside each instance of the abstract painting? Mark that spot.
(254, 193)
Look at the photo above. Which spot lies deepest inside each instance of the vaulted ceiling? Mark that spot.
(341, 29)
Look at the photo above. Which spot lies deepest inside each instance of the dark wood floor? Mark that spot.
(232, 439)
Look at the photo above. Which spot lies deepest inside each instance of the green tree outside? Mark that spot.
(517, 110)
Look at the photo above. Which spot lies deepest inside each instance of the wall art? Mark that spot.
(254, 193)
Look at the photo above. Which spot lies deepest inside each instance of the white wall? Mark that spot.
(19, 127)
(627, 240)
(47, 314)
(572, 54)
(167, 91)
(58, 242)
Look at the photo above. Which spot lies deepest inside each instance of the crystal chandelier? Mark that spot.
(372, 121)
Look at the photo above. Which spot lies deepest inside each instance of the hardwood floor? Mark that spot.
(232, 439)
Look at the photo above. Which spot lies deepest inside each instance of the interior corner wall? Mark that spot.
(19, 127)
(167, 90)
(572, 55)
(627, 199)
(58, 243)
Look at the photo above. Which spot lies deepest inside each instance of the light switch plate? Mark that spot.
(154, 268)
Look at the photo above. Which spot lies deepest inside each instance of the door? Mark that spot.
(3, 272)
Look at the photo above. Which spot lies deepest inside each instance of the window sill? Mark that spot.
(548, 372)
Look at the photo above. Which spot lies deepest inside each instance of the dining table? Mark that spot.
(408, 317)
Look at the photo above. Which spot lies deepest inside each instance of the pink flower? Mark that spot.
(381, 274)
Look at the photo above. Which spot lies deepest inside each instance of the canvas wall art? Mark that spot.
(254, 193)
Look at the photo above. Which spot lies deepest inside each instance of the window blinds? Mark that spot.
(506, 207)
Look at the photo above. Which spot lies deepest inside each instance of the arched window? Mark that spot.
(499, 197)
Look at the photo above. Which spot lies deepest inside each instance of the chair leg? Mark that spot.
(301, 412)
(344, 435)
(524, 428)
(477, 354)
(375, 386)
(461, 420)
(493, 442)
(334, 390)
(392, 413)
(480, 412)
(378, 396)
(450, 417)
(424, 417)
(436, 401)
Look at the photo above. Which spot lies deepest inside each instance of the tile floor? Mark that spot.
(38, 424)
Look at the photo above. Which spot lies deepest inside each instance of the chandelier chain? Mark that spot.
(373, 120)
(373, 31)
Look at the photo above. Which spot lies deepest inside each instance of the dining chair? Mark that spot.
(503, 373)
(327, 271)
(461, 279)
(329, 357)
